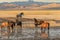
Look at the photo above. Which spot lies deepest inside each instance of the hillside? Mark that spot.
(30, 6)
(52, 6)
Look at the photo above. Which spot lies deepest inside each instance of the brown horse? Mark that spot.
(8, 25)
(43, 24)
(4, 25)
(11, 25)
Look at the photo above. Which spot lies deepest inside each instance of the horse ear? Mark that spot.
(21, 13)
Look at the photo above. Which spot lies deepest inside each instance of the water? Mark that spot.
(27, 33)
(32, 33)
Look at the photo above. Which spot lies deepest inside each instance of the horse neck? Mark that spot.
(41, 23)
(35, 20)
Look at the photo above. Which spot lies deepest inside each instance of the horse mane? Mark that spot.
(41, 21)
(35, 20)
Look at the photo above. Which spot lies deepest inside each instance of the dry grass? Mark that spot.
(54, 14)
(30, 12)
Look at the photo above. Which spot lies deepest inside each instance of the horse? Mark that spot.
(4, 25)
(20, 15)
(11, 25)
(8, 25)
(19, 19)
(43, 24)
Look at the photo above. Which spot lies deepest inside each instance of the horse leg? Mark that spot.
(48, 30)
(12, 27)
(8, 29)
(21, 28)
(41, 29)
(1, 31)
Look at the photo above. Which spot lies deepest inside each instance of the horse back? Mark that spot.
(4, 24)
(44, 25)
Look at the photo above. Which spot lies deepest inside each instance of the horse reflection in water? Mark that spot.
(43, 25)
(9, 26)
(44, 35)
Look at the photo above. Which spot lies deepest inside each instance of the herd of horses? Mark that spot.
(10, 24)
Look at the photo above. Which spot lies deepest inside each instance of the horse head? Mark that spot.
(20, 15)
(35, 20)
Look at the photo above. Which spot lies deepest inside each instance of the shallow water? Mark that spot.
(29, 33)
(32, 33)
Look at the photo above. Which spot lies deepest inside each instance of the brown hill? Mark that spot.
(53, 5)
(32, 6)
